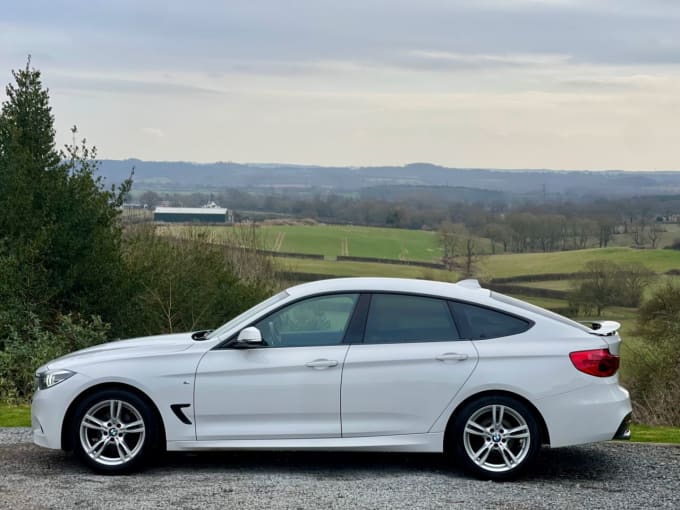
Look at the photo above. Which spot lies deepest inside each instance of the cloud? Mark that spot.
(445, 60)
(86, 83)
(270, 36)
(629, 82)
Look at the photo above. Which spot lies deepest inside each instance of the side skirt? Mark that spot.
(432, 442)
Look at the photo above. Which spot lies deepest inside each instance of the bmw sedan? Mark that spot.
(361, 364)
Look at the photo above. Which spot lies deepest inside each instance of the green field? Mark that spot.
(572, 261)
(334, 240)
(347, 268)
(563, 285)
(417, 245)
(494, 266)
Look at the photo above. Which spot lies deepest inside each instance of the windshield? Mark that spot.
(251, 312)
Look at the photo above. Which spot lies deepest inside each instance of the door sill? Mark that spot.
(431, 442)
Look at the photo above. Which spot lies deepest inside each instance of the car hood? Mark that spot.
(135, 347)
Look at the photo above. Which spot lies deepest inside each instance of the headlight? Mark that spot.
(51, 378)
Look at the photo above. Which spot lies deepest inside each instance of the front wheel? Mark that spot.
(114, 431)
(495, 437)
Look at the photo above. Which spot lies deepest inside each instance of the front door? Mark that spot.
(290, 387)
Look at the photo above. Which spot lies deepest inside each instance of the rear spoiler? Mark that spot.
(603, 328)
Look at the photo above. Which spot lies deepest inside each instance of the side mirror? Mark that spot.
(249, 337)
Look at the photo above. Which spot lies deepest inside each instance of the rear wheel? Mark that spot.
(114, 431)
(495, 437)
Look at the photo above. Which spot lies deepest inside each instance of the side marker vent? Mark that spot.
(177, 409)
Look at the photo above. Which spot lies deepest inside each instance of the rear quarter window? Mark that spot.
(480, 323)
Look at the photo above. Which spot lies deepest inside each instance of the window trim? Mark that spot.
(356, 327)
(228, 342)
(463, 326)
(362, 308)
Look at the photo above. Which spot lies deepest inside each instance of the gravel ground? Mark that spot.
(608, 475)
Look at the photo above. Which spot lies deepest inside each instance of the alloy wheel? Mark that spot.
(112, 432)
(496, 438)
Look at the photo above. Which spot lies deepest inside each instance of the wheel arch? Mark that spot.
(545, 435)
(68, 417)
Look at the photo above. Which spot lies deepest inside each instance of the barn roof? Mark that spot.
(191, 210)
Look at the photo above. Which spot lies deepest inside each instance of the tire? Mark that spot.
(495, 438)
(114, 431)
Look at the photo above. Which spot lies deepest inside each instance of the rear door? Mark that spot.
(409, 367)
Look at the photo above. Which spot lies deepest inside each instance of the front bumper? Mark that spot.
(49, 407)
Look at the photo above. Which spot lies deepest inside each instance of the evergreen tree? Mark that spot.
(59, 234)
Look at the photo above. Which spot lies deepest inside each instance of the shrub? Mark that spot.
(186, 284)
(605, 284)
(174, 285)
(654, 374)
(35, 343)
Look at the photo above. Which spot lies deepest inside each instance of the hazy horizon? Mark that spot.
(401, 165)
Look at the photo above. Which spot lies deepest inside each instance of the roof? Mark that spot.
(461, 290)
(191, 210)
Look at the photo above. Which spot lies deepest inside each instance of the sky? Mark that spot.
(561, 84)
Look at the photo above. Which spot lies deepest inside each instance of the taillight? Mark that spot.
(598, 362)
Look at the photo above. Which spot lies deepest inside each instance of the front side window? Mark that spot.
(316, 321)
(482, 323)
(396, 318)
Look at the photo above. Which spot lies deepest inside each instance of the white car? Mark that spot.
(371, 364)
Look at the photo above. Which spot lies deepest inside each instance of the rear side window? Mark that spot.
(396, 318)
(479, 323)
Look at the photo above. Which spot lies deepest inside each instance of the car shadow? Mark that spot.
(593, 463)
(576, 463)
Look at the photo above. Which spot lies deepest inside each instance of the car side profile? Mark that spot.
(372, 364)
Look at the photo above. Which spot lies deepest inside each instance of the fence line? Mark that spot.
(351, 258)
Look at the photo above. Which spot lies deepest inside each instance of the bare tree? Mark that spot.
(633, 278)
(606, 231)
(654, 234)
(471, 256)
(450, 238)
(598, 288)
(606, 283)
(498, 233)
(636, 230)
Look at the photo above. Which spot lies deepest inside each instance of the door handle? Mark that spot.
(320, 364)
(452, 356)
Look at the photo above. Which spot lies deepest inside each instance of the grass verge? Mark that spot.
(654, 434)
(15, 416)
